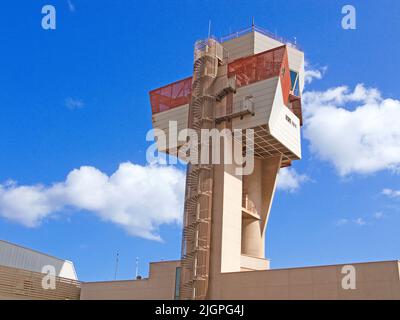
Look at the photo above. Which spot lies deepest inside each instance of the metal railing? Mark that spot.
(265, 32)
(239, 108)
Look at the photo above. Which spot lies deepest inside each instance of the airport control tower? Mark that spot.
(248, 80)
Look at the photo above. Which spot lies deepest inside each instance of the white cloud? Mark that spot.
(364, 139)
(25, 204)
(360, 221)
(71, 6)
(138, 198)
(391, 193)
(290, 180)
(73, 103)
(311, 73)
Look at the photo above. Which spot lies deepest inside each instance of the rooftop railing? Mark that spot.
(262, 31)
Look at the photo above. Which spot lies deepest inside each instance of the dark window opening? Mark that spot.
(294, 80)
(177, 283)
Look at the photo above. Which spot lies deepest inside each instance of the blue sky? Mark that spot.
(78, 96)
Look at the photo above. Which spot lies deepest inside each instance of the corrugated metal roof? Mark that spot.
(16, 256)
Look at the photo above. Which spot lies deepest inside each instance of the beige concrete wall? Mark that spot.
(374, 280)
(249, 263)
(240, 47)
(270, 169)
(226, 215)
(162, 120)
(159, 285)
(225, 253)
(263, 93)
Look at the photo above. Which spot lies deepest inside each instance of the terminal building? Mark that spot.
(250, 81)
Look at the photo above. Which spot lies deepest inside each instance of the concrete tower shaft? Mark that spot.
(235, 86)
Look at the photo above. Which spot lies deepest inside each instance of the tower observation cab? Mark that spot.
(247, 80)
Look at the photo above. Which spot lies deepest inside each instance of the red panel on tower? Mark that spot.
(171, 96)
(262, 66)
